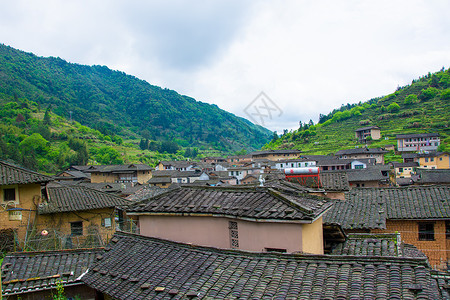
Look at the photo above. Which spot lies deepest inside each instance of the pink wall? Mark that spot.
(213, 231)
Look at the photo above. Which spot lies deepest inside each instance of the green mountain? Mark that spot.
(421, 107)
(115, 103)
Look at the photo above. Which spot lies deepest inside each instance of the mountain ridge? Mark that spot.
(114, 102)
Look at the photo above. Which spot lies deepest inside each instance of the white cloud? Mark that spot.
(307, 56)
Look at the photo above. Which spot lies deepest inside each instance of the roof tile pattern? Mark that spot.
(78, 198)
(376, 245)
(256, 202)
(12, 174)
(137, 267)
(368, 208)
(30, 271)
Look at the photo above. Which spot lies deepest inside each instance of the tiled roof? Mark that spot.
(431, 154)
(24, 272)
(368, 208)
(416, 135)
(67, 198)
(371, 173)
(334, 181)
(367, 128)
(145, 193)
(159, 179)
(376, 245)
(137, 267)
(433, 176)
(74, 174)
(404, 165)
(248, 202)
(178, 163)
(117, 168)
(361, 151)
(12, 174)
(125, 188)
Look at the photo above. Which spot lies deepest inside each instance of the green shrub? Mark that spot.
(393, 107)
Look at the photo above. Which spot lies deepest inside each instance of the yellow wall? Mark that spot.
(439, 162)
(312, 235)
(92, 223)
(97, 177)
(27, 193)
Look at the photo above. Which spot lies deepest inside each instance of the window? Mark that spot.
(15, 215)
(359, 167)
(432, 159)
(426, 231)
(9, 194)
(426, 159)
(76, 228)
(234, 236)
(400, 170)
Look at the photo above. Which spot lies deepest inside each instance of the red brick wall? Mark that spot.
(409, 230)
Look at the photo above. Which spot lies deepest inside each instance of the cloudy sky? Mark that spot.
(306, 57)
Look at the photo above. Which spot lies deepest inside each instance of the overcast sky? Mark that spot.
(307, 57)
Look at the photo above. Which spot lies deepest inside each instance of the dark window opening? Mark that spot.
(426, 231)
(76, 228)
(277, 250)
(9, 194)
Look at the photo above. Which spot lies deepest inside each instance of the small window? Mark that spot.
(426, 159)
(432, 159)
(76, 228)
(426, 231)
(400, 170)
(234, 235)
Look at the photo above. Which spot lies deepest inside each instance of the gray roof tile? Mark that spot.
(24, 272)
(78, 198)
(250, 202)
(12, 174)
(152, 268)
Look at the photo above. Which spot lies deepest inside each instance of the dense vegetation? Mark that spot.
(43, 141)
(117, 104)
(421, 107)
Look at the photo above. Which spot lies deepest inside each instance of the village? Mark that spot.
(270, 224)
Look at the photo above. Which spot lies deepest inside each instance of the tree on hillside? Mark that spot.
(47, 118)
(393, 107)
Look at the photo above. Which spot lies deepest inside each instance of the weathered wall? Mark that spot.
(92, 224)
(81, 291)
(409, 230)
(29, 197)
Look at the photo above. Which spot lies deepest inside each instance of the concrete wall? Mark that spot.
(214, 231)
(440, 162)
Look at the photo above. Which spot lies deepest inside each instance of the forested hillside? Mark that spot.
(115, 103)
(421, 107)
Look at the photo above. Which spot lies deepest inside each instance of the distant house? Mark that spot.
(73, 176)
(139, 267)
(36, 275)
(294, 163)
(433, 160)
(78, 216)
(20, 195)
(136, 173)
(275, 155)
(239, 160)
(404, 170)
(332, 163)
(362, 134)
(373, 176)
(418, 141)
(178, 165)
(421, 214)
(362, 153)
(250, 218)
(241, 172)
(214, 159)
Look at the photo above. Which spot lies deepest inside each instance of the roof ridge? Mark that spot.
(343, 259)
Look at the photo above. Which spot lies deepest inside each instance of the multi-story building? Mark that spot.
(362, 134)
(418, 141)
